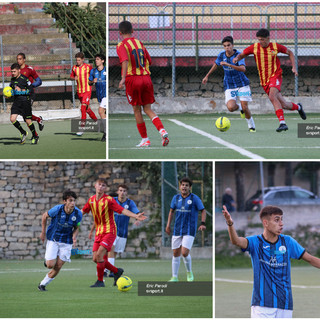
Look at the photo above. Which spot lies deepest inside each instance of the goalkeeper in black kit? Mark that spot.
(22, 104)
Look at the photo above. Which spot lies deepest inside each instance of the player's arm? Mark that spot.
(44, 218)
(241, 68)
(91, 230)
(170, 217)
(203, 220)
(75, 234)
(291, 57)
(205, 79)
(124, 68)
(314, 261)
(37, 82)
(239, 57)
(140, 216)
(234, 238)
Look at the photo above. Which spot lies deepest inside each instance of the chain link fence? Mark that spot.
(185, 39)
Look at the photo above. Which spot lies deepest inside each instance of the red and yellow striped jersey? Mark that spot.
(83, 73)
(102, 211)
(268, 63)
(133, 51)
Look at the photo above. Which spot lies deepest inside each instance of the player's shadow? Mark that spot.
(9, 141)
(77, 137)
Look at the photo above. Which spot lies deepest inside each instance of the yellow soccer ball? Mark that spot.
(223, 124)
(124, 283)
(7, 92)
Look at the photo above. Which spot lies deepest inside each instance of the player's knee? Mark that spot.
(185, 254)
(50, 264)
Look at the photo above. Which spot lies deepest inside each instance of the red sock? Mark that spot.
(142, 130)
(280, 115)
(91, 114)
(294, 106)
(100, 270)
(157, 123)
(109, 266)
(35, 118)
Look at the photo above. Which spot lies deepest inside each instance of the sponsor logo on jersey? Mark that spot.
(74, 218)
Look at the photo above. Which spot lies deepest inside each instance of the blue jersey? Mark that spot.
(101, 85)
(122, 221)
(62, 225)
(271, 270)
(232, 78)
(187, 210)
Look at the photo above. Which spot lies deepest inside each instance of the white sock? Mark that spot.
(46, 280)
(145, 139)
(111, 260)
(187, 262)
(250, 123)
(239, 107)
(175, 266)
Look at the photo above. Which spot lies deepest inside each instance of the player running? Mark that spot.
(61, 234)
(98, 76)
(270, 254)
(22, 104)
(35, 80)
(80, 73)
(102, 206)
(270, 73)
(235, 83)
(187, 205)
(135, 75)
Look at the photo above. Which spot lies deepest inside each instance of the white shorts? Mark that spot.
(264, 312)
(119, 244)
(244, 94)
(184, 241)
(55, 249)
(103, 103)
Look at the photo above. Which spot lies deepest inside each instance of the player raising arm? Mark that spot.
(270, 253)
(270, 73)
(235, 83)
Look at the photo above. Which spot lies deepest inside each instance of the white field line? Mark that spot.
(218, 140)
(220, 148)
(251, 282)
(34, 270)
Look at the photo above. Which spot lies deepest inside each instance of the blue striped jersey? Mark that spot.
(101, 85)
(62, 224)
(271, 270)
(122, 221)
(186, 214)
(232, 78)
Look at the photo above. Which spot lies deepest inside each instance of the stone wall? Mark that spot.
(27, 189)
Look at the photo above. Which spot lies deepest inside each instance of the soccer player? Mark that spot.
(98, 76)
(22, 104)
(235, 83)
(102, 206)
(270, 73)
(270, 254)
(80, 73)
(135, 75)
(187, 205)
(61, 234)
(35, 80)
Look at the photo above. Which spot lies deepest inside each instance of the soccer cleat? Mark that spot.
(252, 130)
(111, 275)
(165, 141)
(242, 114)
(40, 123)
(174, 279)
(164, 135)
(105, 273)
(282, 127)
(190, 276)
(301, 112)
(42, 288)
(23, 137)
(103, 137)
(79, 134)
(117, 276)
(143, 144)
(98, 284)
(35, 140)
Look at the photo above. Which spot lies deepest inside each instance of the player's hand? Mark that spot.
(168, 230)
(235, 60)
(227, 215)
(74, 239)
(17, 88)
(140, 216)
(75, 78)
(205, 80)
(295, 71)
(202, 228)
(95, 80)
(90, 235)
(42, 236)
(121, 83)
(223, 63)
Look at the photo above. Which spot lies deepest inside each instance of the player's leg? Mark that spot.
(244, 104)
(187, 242)
(86, 101)
(274, 98)
(56, 268)
(176, 243)
(35, 137)
(141, 126)
(231, 101)
(292, 106)
(17, 124)
(39, 120)
(102, 112)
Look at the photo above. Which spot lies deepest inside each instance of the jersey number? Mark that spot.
(139, 57)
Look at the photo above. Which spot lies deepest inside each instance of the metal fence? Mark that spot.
(186, 37)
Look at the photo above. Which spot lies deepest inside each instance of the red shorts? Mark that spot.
(106, 240)
(84, 97)
(139, 90)
(275, 81)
